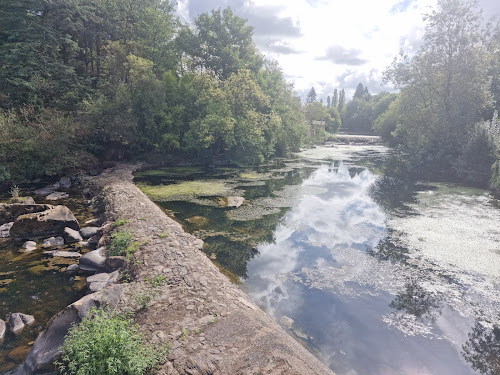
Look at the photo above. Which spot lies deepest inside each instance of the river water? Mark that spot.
(372, 272)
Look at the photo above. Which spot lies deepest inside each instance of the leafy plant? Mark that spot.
(163, 235)
(104, 343)
(119, 223)
(15, 192)
(120, 241)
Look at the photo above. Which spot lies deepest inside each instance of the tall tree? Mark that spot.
(360, 91)
(311, 96)
(335, 99)
(341, 101)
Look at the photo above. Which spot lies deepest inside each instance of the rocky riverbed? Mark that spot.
(177, 296)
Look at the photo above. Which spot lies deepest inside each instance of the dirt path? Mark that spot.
(212, 324)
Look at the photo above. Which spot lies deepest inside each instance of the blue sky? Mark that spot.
(331, 44)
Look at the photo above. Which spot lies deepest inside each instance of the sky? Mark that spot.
(329, 44)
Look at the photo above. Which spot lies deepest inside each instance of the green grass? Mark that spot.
(119, 223)
(163, 235)
(104, 343)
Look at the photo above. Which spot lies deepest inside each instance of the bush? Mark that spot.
(120, 241)
(106, 344)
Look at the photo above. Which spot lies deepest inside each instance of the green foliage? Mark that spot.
(104, 343)
(445, 86)
(119, 223)
(120, 242)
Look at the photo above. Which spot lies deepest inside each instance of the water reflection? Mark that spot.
(482, 349)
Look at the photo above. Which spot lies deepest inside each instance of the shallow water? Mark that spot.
(375, 274)
(33, 284)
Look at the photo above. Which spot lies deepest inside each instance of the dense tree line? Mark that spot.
(81, 80)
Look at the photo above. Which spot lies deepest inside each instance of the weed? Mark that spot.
(131, 249)
(163, 235)
(119, 223)
(157, 280)
(142, 219)
(120, 241)
(184, 334)
(197, 331)
(104, 343)
(15, 192)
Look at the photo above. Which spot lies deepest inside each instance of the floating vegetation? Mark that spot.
(254, 176)
(170, 171)
(185, 190)
(197, 220)
(251, 212)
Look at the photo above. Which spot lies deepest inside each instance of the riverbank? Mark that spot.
(211, 324)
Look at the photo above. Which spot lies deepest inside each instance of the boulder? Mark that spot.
(5, 230)
(89, 232)
(102, 280)
(63, 254)
(71, 235)
(233, 201)
(53, 241)
(18, 321)
(50, 222)
(3, 330)
(43, 192)
(94, 240)
(46, 348)
(29, 246)
(115, 263)
(65, 182)
(56, 196)
(93, 260)
(10, 212)
(73, 268)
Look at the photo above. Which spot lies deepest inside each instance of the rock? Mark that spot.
(46, 350)
(5, 230)
(22, 200)
(63, 254)
(3, 329)
(286, 321)
(73, 268)
(18, 321)
(56, 196)
(29, 246)
(50, 222)
(10, 212)
(65, 182)
(93, 260)
(115, 263)
(102, 280)
(92, 222)
(53, 241)
(233, 201)
(71, 235)
(19, 353)
(89, 232)
(43, 192)
(94, 240)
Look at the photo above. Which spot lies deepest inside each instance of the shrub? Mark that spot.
(120, 241)
(107, 344)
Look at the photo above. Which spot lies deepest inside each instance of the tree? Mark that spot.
(360, 91)
(311, 96)
(335, 99)
(221, 44)
(328, 102)
(445, 85)
(341, 101)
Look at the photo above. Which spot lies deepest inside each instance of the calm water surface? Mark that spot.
(373, 273)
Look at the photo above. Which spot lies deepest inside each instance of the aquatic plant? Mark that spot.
(184, 190)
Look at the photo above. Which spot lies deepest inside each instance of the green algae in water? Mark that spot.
(185, 190)
(170, 171)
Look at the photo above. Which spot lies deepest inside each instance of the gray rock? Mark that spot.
(93, 260)
(92, 222)
(71, 235)
(53, 241)
(89, 232)
(18, 321)
(94, 240)
(56, 196)
(50, 222)
(43, 192)
(73, 268)
(115, 263)
(46, 350)
(29, 246)
(65, 182)
(84, 244)
(10, 212)
(5, 230)
(63, 254)
(3, 330)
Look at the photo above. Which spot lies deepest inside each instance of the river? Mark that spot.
(371, 271)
